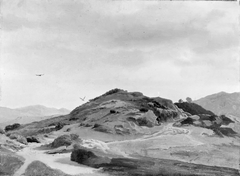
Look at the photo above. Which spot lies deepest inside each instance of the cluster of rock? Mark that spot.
(197, 116)
(18, 138)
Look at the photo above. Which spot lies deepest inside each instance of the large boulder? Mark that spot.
(37, 168)
(87, 157)
(9, 163)
(18, 138)
(65, 140)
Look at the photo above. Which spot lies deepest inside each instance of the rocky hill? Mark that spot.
(124, 133)
(119, 111)
(115, 112)
(222, 103)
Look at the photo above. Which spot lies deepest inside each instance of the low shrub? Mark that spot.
(12, 127)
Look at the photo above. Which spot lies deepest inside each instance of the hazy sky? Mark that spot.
(85, 48)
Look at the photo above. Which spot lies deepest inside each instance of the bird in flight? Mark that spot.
(82, 98)
(39, 74)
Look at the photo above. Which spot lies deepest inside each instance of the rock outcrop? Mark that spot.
(87, 157)
(37, 168)
(18, 138)
(9, 162)
(65, 140)
(212, 122)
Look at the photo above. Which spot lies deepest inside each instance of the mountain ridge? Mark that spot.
(221, 103)
(29, 112)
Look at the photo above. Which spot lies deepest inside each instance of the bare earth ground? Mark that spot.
(56, 161)
(189, 144)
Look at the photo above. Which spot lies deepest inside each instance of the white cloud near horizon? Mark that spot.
(84, 48)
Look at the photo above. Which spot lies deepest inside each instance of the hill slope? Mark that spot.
(221, 103)
(117, 112)
(127, 133)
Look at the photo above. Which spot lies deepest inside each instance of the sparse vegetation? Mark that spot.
(110, 92)
(187, 121)
(33, 139)
(226, 120)
(189, 100)
(193, 108)
(59, 126)
(12, 127)
(180, 101)
(143, 110)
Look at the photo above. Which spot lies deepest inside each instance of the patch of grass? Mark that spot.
(12, 127)
(226, 120)
(193, 108)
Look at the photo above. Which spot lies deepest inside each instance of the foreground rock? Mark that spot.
(157, 167)
(144, 166)
(37, 168)
(9, 162)
(87, 157)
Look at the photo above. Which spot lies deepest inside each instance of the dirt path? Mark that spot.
(57, 161)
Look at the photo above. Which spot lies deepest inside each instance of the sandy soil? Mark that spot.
(186, 144)
(56, 161)
(189, 144)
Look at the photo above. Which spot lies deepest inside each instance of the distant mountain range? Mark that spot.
(29, 114)
(222, 103)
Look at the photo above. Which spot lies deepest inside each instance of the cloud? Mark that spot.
(91, 46)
